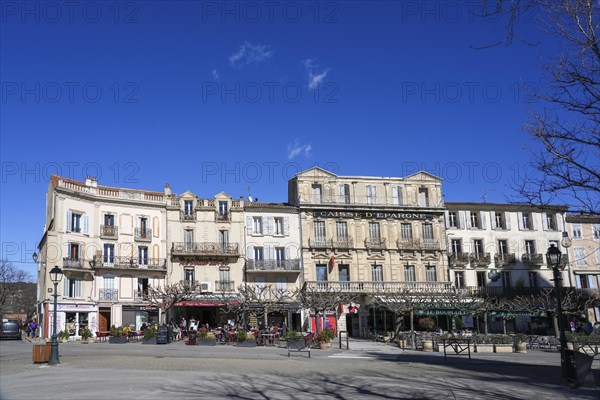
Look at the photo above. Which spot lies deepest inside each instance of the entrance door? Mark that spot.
(104, 321)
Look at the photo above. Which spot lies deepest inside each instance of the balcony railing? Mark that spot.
(109, 231)
(407, 243)
(121, 262)
(459, 260)
(187, 215)
(342, 243)
(222, 216)
(69, 262)
(508, 291)
(532, 259)
(109, 295)
(505, 260)
(381, 287)
(430, 244)
(143, 235)
(224, 286)
(319, 243)
(141, 296)
(205, 249)
(375, 243)
(480, 259)
(273, 265)
(375, 201)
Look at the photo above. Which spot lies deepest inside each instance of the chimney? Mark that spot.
(168, 191)
(91, 181)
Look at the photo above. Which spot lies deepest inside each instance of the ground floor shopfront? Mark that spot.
(70, 317)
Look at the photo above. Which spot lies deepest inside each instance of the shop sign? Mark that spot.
(371, 215)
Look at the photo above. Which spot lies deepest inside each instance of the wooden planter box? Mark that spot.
(206, 342)
(246, 343)
(149, 340)
(117, 339)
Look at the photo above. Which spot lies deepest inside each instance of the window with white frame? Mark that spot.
(374, 233)
(108, 256)
(278, 222)
(280, 253)
(551, 221)
(406, 231)
(530, 246)
(409, 273)
(223, 207)
(459, 279)
(577, 231)
(423, 197)
(526, 221)
(478, 247)
(189, 276)
(397, 198)
(499, 218)
(259, 253)
(319, 231)
(257, 226)
(503, 247)
(596, 231)
(74, 251)
(72, 287)
(377, 273)
(317, 193)
(431, 273)
(456, 246)
(143, 255)
(371, 194)
(474, 216)
(321, 270)
(452, 219)
(345, 193)
(188, 207)
(225, 282)
(427, 232)
(580, 256)
(74, 222)
(341, 228)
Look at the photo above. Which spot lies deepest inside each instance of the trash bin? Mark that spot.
(192, 337)
(41, 352)
(579, 368)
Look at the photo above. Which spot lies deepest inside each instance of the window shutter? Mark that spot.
(287, 253)
(559, 223)
(271, 252)
(249, 225)
(447, 218)
(468, 224)
(286, 226)
(482, 219)
(77, 287)
(86, 224)
(493, 220)
(533, 221)
(395, 195)
(462, 220)
(270, 222)
(65, 287)
(520, 220)
(545, 221)
(69, 221)
(507, 220)
(250, 253)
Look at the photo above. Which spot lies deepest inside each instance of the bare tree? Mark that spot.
(165, 297)
(565, 126)
(319, 299)
(10, 276)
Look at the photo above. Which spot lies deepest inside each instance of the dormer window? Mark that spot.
(188, 207)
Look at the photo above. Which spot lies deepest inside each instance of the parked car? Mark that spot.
(10, 330)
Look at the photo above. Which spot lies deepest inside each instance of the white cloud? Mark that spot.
(314, 78)
(250, 54)
(295, 149)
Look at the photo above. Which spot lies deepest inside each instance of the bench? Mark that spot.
(298, 346)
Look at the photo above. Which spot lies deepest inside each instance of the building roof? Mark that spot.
(259, 206)
(509, 206)
(55, 179)
(582, 218)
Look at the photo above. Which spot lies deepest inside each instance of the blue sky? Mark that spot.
(209, 99)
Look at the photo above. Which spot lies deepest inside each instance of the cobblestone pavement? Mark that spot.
(369, 370)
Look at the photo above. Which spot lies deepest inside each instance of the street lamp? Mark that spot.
(55, 276)
(553, 258)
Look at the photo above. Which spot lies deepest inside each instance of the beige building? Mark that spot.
(584, 256)
(111, 245)
(273, 262)
(206, 242)
(368, 235)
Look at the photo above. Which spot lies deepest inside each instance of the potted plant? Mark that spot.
(483, 343)
(330, 334)
(244, 339)
(323, 339)
(63, 336)
(520, 343)
(149, 336)
(206, 338)
(86, 336)
(116, 335)
(502, 343)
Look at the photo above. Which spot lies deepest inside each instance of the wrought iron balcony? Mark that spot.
(342, 243)
(503, 291)
(430, 244)
(143, 235)
(480, 259)
(141, 296)
(222, 216)
(187, 215)
(224, 286)
(407, 243)
(273, 265)
(319, 243)
(108, 295)
(374, 287)
(373, 201)
(122, 262)
(69, 262)
(375, 243)
(532, 259)
(505, 259)
(109, 231)
(207, 249)
(459, 260)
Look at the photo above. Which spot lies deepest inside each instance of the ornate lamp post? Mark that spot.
(55, 276)
(553, 258)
